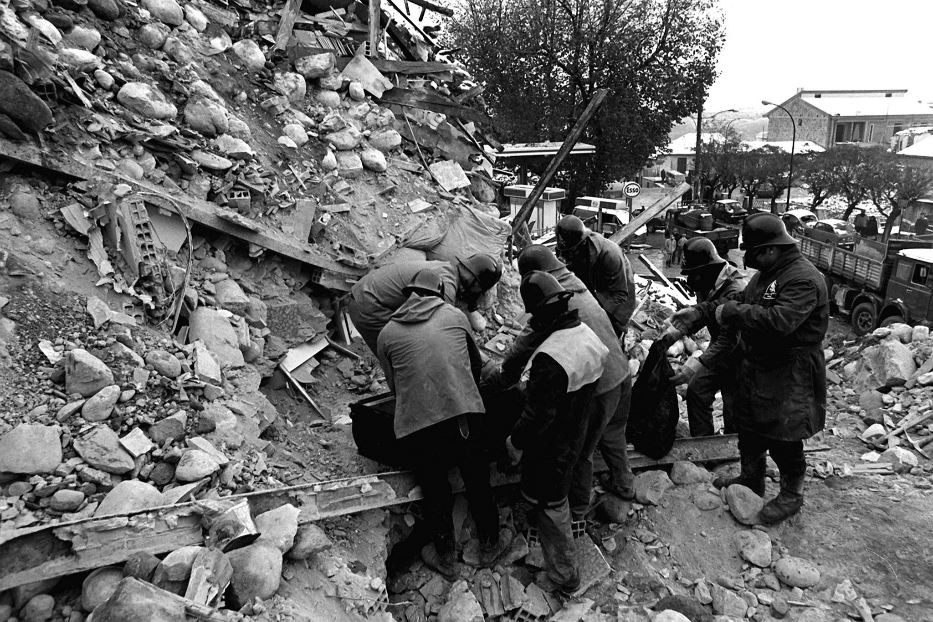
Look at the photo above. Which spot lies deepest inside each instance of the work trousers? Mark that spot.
(434, 451)
(788, 455)
(701, 393)
(602, 408)
(613, 446)
(554, 532)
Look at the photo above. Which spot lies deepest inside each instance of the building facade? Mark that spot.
(829, 118)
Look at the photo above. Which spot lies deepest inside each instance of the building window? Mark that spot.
(920, 274)
(681, 165)
(897, 128)
(817, 96)
(799, 122)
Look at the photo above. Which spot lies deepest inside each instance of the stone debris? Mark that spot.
(796, 572)
(743, 503)
(651, 485)
(30, 449)
(754, 547)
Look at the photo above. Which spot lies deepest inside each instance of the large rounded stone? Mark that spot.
(346, 139)
(194, 465)
(297, 133)
(164, 362)
(152, 35)
(38, 609)
(166, 11)
(129, 496)
(349, 164)
(310, 539)
(291, 85)
(85, 373)
(100, 406)
(315, 65)
(249, 53)
(105, 9)
(651, 485)
(328, 98)
(146, 101)
(99, 586)
(743, 503)
(30, 449)
(66, 500)
(373, 160)
(279, 526)
(257, 571)
(84, 37)
(385, 139)
(796, 572)
(754, 547)
(100, 447)
(684, 473)
(196, 18)
(206, 116)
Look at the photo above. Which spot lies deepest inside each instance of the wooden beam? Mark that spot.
(675, 293)
(286, 23)
(385, 65)
(375, 12)
(648, 213)
(476, 91)
(329, 273)
(576, 132)
(443, 10)
(433, 102)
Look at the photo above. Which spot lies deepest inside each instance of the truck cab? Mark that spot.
(729, 212)
(910, 287)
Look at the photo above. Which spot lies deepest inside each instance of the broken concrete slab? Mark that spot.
(31, 449)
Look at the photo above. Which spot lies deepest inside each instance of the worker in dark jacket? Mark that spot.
(781, 396)
(713, 280)
(432, 364)
(550, 434)
(613, 393)
(376, 296)
(602, 266)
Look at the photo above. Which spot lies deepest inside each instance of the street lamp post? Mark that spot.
(793, 141)
(699, 145)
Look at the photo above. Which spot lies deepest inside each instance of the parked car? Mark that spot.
(728, 212)
(839, 231)
(798, 218)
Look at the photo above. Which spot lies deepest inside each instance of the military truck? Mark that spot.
(874, 283)
(694, 222)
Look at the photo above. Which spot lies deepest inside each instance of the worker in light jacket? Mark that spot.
(781, 321)
(432, 365)
(549, 436)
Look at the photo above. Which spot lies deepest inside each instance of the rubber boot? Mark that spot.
(752, 475)
(443, 561)
(787, 503)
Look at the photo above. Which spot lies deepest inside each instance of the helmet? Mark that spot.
(699, 252)
(570, 231)
(539, 289)
(764, 230)
(426, 282)
(537, 257)
(484, 268)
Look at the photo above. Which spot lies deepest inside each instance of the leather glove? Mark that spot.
(670, 336)
(515, 454)
(685, 319)
(690, 369)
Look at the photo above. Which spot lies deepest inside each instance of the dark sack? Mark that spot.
(652, 419)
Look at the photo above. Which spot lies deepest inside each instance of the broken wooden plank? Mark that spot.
(329, 273)
(674, 293)
(575, 133)
(286, 23)
(375, 10)
(434, 103)
(384, 65)
(466, 96)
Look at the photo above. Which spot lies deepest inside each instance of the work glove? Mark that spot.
(685, 319)
(726, 311)
(515, 454)
(670, 336)
(690, 369)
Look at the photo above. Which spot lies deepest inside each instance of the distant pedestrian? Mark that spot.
(871, 229)
(679, 249)
(861, 222)
(920, 226)
(670, 247)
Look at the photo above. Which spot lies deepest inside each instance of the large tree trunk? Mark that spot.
(774, 204)
(849, 209)
(889, 223)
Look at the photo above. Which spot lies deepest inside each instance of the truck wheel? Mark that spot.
(864, 318)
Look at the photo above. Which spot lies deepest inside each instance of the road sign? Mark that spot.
(631, 189)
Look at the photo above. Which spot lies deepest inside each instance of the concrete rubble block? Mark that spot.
(141, 566)
(888, 363)
(171, 428)
(347, 139)
(651, 485)
(152, 35)
(234, 147)
(385, 139)
(176, 566)
(98, 586)
(146, 101)
(291, 85)
(309, 540)
(250, 54)
(202, 444)
(100, 447)
(278, 527)
(355, 91)
(796, 572)
(315, 65)
(684, 473)
(287, 142)
(349, 164)
(85, 373)
(374, 160)
(65, 500)
(329, 162)
(136, 443)
(136, 601)
(194, 465)
(727, 603)
(743, 503)
(461, 605)
(214, 330)
(122, 354)
(206, 367)
(99, 406)
(206, 116)
(178, 51)
(129, 496)
(919, 334)
(230, 296)
(39, 608)
(257, 571)
(30, 449)
(754, 547)
(902, 332)
(901, 459)
(166, 11)
(238, 128)
(331, 82)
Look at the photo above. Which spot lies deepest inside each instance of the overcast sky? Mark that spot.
(774, 48)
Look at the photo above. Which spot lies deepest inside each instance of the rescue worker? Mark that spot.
(376, 296)
(920, 225)
(432, 365)
(611, 398)
(713, 280)
(603, 268)
(549, 436)
(781, 396)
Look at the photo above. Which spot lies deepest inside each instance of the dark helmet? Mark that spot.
(539, 289)
(764, 230)
(484, 268)
(537, 257)
(425, 282)
(570, 232)
(699, 252)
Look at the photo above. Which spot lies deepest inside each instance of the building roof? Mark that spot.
(920, 149)
(879, 103)
(918, 254)
(800, 146)
(686, 144)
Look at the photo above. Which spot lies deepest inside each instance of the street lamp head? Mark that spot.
(765, 102)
